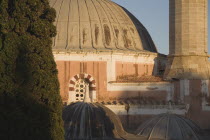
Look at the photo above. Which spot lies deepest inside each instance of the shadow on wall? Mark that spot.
(129, 100)
(160, 65)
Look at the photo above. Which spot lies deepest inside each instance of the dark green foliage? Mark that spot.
(30, 104)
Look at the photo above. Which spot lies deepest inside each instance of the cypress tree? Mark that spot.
(30, 103)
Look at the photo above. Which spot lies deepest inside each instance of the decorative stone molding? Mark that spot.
(144, 57)
(160, 86)
(92, 84)
(82, 76)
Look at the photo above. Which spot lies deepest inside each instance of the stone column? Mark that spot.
(188, 56)
(87, 94)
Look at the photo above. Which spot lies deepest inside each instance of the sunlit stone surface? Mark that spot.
(98, 25)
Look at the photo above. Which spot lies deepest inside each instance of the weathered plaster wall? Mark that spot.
(138, 69)
(104, 90)
(195, 98)
(194, 93)
(130, 125)
(68, 69)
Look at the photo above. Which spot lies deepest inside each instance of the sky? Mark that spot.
(154, 15)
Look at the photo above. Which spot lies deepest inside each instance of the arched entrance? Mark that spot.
(79, 85)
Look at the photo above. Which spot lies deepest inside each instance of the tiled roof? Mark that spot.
(141, 101)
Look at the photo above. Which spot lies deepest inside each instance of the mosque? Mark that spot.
(105, 55)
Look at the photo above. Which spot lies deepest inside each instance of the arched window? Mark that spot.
(80, 89)
(81, 85)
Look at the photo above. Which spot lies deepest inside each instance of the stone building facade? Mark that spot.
(103, 50)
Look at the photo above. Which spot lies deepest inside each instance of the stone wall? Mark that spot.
(104, 68)
(188, 58)
(67, 69)
(98, 70)
(132, 122)
(137, 69)
(195, 94)
(195, 99)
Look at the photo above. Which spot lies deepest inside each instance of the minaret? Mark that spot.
(188, 56)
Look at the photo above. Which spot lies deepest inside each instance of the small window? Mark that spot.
(80, 89)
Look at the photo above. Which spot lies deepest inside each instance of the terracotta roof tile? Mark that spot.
(142, 101)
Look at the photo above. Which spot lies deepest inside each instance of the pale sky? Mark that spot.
(154, 15)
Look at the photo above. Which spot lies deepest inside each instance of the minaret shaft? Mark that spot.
(188, 56)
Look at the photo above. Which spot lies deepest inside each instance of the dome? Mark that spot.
(91, 121)
(98, 26)
(169, 127)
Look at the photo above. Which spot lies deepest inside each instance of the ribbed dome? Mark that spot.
(98, 25)
(91, 121)
(169, 127)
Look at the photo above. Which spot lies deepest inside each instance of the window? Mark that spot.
(80, 89)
